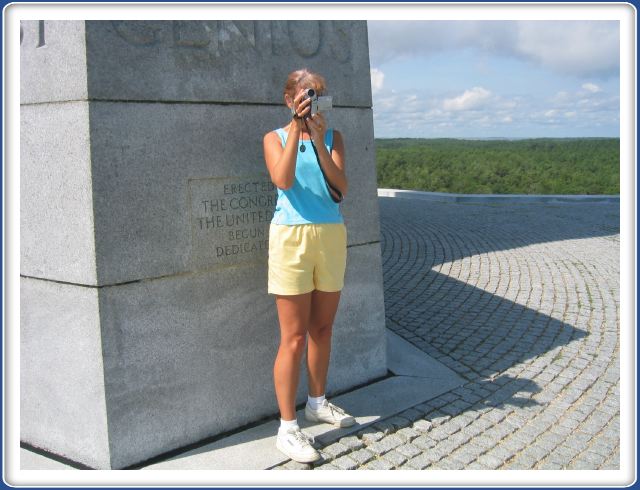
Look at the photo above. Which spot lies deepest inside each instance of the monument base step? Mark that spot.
(417, 378)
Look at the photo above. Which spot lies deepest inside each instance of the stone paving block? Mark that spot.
(490, 462)
(481, 392)
(500, 431)
(424, 408)
(352, 442)
(409, 450)
(563, 454)
(385, 426)
(501, 452)
(612, 463)
(394, 457)
(408, 434)
(362, 456)
(457, 423)
(423, 425)
(411, 414)
(450, 464)
(378, 464)
(495, 416)
(459, 438)
(444, 447)
(420, 462)
(400, 422)
(602, 447)
(345, 463)
(561, 430)
(548, 441)
(465, 455)
(484, 441)
(518, 441)
(521, 463)
(294, 465)
(370, 435)
(517, 419)
(448, 398)
(437, 418)
(472, 430)
(579, 464)
(468, 417)
(424, 442)
(549, 465)
(386, 444)
(336, 450)
(593, 458)
(482, 423)
(532, 431)
(535, 451)
(438, 434)
(578, 439)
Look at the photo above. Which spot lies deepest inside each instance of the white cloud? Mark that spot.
(591, 87)
(421, 111)
(573, 47)
(582, 48)
(470, 99)
(377, 80)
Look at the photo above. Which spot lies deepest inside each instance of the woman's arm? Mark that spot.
(281, 162)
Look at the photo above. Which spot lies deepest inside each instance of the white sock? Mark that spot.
(315, 402)
(287, 424)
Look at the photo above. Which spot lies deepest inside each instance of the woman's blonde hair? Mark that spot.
(302, 76)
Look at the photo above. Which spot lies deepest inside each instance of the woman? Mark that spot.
(307, 259)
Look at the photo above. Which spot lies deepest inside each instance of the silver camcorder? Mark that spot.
(318, 103)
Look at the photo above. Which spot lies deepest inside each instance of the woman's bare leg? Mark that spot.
(294, 313)
(323, 311)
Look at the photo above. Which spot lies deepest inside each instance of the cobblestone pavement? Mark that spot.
(521, 300)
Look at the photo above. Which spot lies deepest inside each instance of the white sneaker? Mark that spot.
(329, 413)
(297, 445)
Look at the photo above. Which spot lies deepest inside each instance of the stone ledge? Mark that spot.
(422, 379)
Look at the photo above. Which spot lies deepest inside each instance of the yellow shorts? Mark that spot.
(307, 257)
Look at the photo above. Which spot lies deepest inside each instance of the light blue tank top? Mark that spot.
(308, 200)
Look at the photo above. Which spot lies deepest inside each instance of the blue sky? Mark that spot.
(481, 79)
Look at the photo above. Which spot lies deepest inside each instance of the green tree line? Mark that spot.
(531, 166)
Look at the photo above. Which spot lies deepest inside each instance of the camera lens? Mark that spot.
(311, 92)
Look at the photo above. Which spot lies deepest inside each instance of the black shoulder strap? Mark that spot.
(335, 194)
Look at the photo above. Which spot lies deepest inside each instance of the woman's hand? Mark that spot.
(301, 107)
(317, 128)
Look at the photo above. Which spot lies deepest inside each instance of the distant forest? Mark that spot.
(531, 166)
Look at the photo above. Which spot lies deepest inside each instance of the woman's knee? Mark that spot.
(294, 343)
(321, 330)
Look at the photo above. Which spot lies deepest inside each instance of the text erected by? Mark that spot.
(230, 217)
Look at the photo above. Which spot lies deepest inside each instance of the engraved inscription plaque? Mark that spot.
(230, 219)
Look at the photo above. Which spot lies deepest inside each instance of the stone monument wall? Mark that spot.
(145, 208)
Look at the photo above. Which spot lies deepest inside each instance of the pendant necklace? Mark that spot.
(302, 147)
